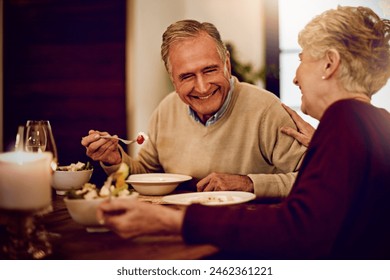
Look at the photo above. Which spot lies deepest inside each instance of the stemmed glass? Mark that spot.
(39, 138)
(36, 137)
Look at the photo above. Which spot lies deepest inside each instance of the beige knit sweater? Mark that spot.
(246, 140)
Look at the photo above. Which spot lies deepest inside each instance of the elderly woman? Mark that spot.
(339, 205)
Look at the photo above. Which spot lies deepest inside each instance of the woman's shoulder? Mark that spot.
(353, 115)
(349, 108)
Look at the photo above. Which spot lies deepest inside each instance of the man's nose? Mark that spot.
(201, 84)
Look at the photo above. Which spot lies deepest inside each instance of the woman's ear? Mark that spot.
(332, 62)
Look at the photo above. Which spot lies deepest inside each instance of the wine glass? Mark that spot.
(44, 142)
(36, 138)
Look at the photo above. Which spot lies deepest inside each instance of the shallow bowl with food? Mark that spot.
(63, 181)
(83, 211)
(156, 183)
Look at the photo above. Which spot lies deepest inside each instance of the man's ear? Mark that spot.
(332, 62)
(228, 64)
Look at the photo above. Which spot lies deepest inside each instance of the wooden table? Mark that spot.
(71, 241)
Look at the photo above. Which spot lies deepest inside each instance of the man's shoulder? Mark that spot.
(171, 99)
(170, 104)
(255, 98)
(251, 91)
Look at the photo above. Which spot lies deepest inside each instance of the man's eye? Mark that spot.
(210, 70)
(185, 77)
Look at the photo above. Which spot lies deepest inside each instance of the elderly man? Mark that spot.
(222, 132)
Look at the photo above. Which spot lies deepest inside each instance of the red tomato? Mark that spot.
(140, 139)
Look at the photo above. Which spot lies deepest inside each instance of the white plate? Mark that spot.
(210, 198)
(156, 183)
(157, 178)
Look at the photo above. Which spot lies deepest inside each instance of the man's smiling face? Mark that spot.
(199, 75)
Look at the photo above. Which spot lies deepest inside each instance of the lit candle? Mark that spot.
(25, 180)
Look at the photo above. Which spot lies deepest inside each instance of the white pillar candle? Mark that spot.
(25, 180)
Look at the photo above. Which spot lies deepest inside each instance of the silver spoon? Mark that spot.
(127, 142)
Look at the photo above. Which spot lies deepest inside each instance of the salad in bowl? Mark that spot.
(82, 203)
(73, 176)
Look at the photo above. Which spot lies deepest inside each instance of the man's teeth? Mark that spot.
(205, 97)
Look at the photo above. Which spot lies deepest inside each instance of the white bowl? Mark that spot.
(83, 211)
(156, 183)
(63, 181)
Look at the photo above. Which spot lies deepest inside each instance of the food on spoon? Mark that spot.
(75, 167)
(115, 184)
(141, 138)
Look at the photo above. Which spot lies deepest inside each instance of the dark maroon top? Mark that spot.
(339, 206)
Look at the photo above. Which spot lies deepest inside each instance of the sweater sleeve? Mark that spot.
(281, 151)
(134, 165)
(273, 185)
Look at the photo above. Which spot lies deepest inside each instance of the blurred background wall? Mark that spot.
(64, 61)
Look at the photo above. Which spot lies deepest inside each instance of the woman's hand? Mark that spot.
(305, 130)
(134, 218)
